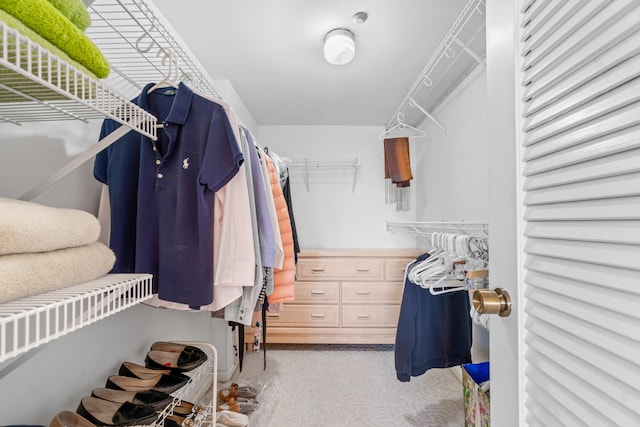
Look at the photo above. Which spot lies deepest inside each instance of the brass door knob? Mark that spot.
(492, 301)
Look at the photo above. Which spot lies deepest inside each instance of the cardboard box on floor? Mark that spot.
(476, 401)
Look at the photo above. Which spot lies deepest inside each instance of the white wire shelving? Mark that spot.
(138, 42)
(427, 228)
(30, 322)
(306, 165)
(36, 85)
(461, 51)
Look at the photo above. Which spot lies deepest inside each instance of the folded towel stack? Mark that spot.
(61, 23)
(44, 248)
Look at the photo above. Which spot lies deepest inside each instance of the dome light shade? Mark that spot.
(339, 47)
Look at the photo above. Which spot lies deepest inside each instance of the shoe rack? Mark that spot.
(203, 379)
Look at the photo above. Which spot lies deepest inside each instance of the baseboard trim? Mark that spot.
(225, 375)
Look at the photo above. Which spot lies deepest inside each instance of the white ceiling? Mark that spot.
(271, 52)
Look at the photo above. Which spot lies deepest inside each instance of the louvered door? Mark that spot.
(580, 151)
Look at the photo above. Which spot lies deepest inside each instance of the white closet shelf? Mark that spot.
(29, 322)
(137, 40)
(426, 229)
(460, 52)
(316, 164)
(36, 85)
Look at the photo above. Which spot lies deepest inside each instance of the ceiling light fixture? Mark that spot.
(339, 47)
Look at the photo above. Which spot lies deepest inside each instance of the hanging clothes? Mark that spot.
(163, 191)
(434, 331)
(398, 170)
(234, 241)
(286, 191)
(273, 214)
(284, 278)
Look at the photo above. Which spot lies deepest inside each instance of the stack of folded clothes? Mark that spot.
(43, 248)
(58, 26)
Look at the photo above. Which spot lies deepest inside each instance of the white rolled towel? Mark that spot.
(23, 275)
(27, 227)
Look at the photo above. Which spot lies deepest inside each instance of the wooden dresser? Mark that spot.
(342, 297)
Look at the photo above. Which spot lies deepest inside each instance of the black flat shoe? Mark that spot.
(180, 357)
(128, 369)
(106, 413)
(153, 399)
(161, 382)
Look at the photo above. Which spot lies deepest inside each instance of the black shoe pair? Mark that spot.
(132, 377)
(174, 356)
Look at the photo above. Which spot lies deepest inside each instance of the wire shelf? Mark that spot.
(324, 163)
(306, 165)
(29, 322)
(426, 229)
(36, 85)
(138, 41)
(460, 52)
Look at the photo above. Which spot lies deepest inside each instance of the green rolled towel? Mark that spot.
(12, 22)
(75, 11)
(44, 19)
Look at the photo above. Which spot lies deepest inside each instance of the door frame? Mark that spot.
(505, 224)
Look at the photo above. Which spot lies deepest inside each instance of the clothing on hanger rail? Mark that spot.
(433, 331)
(146, 178)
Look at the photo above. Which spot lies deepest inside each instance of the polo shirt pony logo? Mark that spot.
(185, 163)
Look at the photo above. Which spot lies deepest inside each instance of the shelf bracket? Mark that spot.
(355, 174)
(306, 174)
(413, 103)
(76, 162)
(469, 51)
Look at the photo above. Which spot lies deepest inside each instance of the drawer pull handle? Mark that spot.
(363, 269)
(275, 315)
(317, 316)
(317, 269)
(363, 292)
(317, 292)
(363, 316)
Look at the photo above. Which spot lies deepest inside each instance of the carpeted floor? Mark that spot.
(342, 385)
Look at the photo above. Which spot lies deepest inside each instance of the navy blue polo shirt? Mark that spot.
(196, 155)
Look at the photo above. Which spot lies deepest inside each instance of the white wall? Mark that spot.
(453, 170)
(453, 167)
(330, 215)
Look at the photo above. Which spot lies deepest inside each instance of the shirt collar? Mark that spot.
(180, 107)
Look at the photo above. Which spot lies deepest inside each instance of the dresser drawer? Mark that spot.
(340, 269)
(371, 293)
(370, 316)
(394, 269)
(294, 315)
(317, 293)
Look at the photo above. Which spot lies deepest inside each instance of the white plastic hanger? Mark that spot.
(171, 74)
(401, 125)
